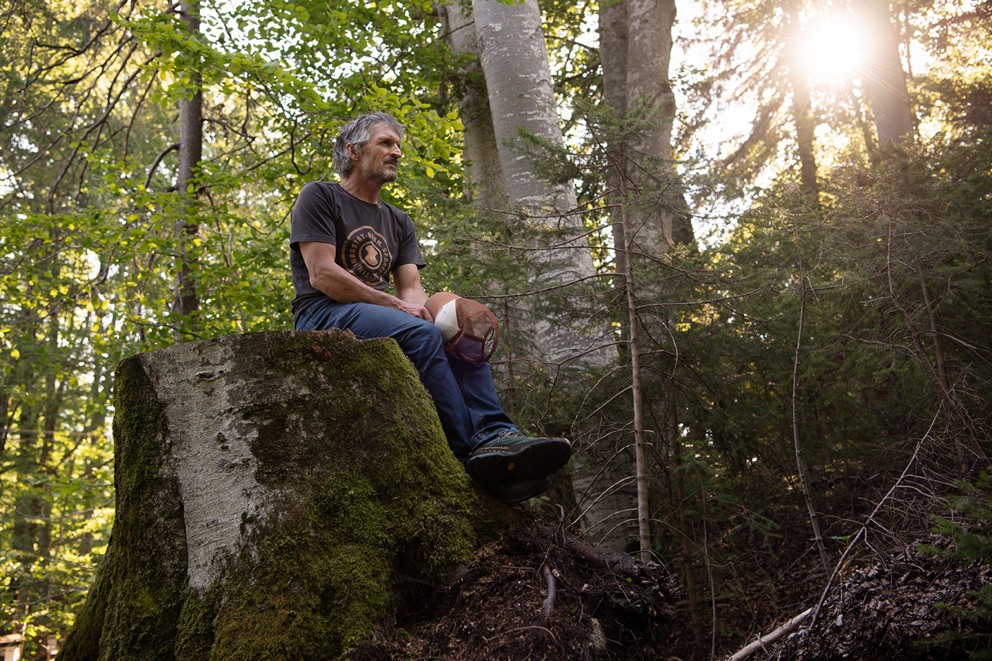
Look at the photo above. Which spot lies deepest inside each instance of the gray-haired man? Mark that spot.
(346, 246)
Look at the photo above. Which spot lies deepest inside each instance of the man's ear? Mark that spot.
(353, 152)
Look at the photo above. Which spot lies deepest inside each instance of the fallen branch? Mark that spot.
(863, 531)
(792, 624)
(549, 601)
(770, 638)
(575, 546)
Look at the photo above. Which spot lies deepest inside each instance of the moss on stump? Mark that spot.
(273, 489)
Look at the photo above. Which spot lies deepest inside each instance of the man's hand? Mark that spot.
(415, 309)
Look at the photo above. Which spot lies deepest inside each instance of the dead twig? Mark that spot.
(549, 601)
(769, 638)
(863, 531)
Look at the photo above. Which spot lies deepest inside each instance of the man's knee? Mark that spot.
(421, 340)
(427, 333)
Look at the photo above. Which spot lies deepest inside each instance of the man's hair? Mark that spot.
(357, 132)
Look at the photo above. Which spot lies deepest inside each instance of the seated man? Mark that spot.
(345, 244)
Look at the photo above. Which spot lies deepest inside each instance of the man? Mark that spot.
(345, 246)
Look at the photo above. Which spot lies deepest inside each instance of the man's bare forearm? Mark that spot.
(343, 287)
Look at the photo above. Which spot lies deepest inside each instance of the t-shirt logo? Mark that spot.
(367, 256)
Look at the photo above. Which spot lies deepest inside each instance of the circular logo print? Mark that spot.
(367, 256)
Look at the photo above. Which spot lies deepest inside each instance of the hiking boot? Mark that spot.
(512, 456)
(517, 491)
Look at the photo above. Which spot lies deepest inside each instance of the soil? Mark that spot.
(914, 606)
(918, 605)
(494, 608)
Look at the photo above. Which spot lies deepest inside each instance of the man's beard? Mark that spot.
(379, 174)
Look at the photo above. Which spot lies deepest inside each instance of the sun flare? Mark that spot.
(833, 49)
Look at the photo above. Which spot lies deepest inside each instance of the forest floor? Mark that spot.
(922, 603)
(498, 607)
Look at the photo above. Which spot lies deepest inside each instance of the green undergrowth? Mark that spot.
(970, 530)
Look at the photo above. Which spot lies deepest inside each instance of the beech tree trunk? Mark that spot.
(270, 488)
(659, 220)
(660, 215)
(636, 44)
(518, 80)
(514, 60)
(480, 150)
(605, 476)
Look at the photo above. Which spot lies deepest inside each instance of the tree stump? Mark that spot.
(272, 490)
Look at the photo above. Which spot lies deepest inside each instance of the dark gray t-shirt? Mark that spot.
(372, 240)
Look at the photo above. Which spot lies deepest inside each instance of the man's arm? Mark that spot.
(407, 280)
(328, 277)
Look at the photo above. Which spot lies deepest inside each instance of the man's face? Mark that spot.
(380, 155)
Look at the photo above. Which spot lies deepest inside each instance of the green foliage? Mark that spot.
(89, 251)
(970, 530)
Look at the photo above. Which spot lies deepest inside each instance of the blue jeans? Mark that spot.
(464, 393)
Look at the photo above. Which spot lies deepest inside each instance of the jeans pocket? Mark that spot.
(302, 322)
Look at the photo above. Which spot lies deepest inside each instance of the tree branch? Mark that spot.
(769, 638)
(549, 603)
(158, 159)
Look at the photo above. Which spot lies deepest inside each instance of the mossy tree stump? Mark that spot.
(271, 488)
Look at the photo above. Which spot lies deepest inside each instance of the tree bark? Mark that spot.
(613, 59)
(605, 472)
(270, 488)
(660, 217)
(518, 79)
(802, 114)
(480, 150)
(636, 43)
(885, 79)
(190, 154)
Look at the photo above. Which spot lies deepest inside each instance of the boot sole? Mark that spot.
(517, 491)
(530, 462)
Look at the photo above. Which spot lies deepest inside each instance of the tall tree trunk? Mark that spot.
(884, 77)
(34, 428)
(805, 125)
(802, 114)
(514, 60)
(190, 153)
(635, 49)
(480, 150)
(485, 185)
(5, 400)
(613, 58)
(518, 79)
(606, 477)
(660, 218)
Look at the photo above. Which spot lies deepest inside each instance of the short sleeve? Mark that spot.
(312, 217)
(409, 250)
